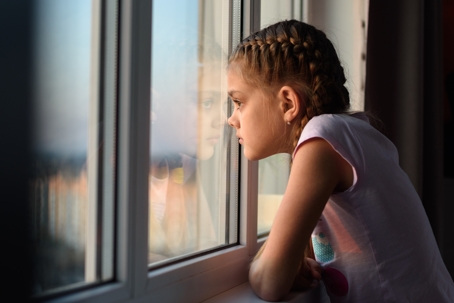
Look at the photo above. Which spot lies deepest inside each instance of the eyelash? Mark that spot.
(238, 103)
(207, 104)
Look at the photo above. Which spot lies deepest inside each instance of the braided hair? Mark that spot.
(296, 54)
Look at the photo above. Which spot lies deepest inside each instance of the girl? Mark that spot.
(369, 230)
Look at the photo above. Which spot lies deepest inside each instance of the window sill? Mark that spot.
(244, 293)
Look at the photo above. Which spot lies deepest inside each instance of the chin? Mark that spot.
(205, 153)
(258, 153)
(253, 157)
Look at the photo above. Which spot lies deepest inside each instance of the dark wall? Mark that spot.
(448, 129)
(15, 62)
(405, 89)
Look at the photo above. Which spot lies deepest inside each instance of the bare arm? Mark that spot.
(317, 172)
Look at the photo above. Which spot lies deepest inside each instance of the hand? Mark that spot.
(308, 276)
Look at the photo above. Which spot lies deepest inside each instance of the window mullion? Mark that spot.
(135, 95)
(249, 169)
(248, 201)
(251, 17)
(297, 9)
(135, 27)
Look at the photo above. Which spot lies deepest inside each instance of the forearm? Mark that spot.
(272, 285)
(277, 267)
(312, 180)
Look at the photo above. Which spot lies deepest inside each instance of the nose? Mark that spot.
(233, 121)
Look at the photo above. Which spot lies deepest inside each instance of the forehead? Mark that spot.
(238, 87)
(211, 74)
(212, 81)
(235, 80)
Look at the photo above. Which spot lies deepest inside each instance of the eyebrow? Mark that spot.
(232, 92)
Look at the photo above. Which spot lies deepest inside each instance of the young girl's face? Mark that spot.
(211, 117)
(187, 115)
(259, 123)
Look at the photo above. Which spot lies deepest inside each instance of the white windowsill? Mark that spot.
(244, 293)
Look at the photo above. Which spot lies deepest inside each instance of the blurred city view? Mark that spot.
(59, 212)
(61, 120)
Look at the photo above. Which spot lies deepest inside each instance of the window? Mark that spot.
(73, 148)
(192, 203)
(140, 190)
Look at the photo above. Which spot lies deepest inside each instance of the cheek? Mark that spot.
(205, 117)
(251, 123)
(205, 152)
(188, 119)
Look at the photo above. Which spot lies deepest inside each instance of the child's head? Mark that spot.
(187, 113)
(298, 55)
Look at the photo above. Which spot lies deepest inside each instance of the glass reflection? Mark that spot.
(187, 128)
(60, 183)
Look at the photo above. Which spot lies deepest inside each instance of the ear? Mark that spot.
(291, 103)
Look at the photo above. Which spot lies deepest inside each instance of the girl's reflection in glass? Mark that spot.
(187, 123)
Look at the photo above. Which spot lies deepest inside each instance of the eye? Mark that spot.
(207, 104)
(237, 103)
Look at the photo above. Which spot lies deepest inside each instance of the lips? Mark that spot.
(213, 140)
(240, 140)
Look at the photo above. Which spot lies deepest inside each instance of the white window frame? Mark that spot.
(196, 279)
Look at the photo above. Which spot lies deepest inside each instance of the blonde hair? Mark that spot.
(299, 55)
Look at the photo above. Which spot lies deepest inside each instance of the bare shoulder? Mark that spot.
(316, 158)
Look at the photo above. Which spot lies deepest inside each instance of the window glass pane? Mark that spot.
(189, 207)
(274, 170)
(272, 11)
(66, 149)
(273, 176)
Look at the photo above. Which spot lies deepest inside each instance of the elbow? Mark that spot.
(266, 288)
(267, 293)
(269, 296)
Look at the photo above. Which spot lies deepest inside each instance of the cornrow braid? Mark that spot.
(297, 54)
